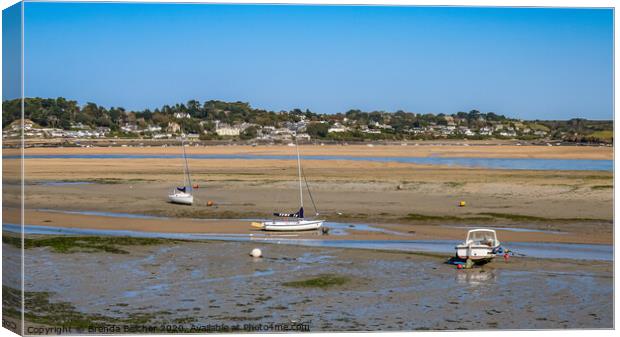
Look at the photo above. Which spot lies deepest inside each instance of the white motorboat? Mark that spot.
(296, 221)
(480, 246)
(183, 194)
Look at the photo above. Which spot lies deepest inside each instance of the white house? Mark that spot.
(153, 128)
(303, 136)
(182, 115)
(173, 127)
(337, 127)
(223, 129)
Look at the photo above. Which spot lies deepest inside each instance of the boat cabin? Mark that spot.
(486, 237)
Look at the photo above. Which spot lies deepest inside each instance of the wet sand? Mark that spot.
(238, 226)
(196, 283)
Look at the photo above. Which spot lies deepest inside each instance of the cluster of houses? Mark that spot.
(286, 132)
(496, 129)
(450, 127)
(31, 130)
(267, 133)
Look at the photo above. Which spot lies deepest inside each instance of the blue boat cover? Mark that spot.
(299, 214)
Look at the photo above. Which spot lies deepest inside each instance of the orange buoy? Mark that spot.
(210, 203)
(196, 186)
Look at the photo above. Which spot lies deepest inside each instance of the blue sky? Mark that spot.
(11, 51)
(526, 63)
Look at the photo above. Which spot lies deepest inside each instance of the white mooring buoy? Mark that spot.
(256, 253)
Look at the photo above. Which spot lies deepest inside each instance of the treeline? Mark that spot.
(581, 130)
(63, 113)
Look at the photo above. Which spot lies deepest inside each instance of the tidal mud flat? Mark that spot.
(107, 282)
(185, 284)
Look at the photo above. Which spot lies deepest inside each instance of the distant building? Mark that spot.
(223, 129)
(79, 126)
(485, 131)
(128, 127)
(508, 133)
(337, 127)
(153, 128)
(181, 115)
(303, 136)
(173, 127)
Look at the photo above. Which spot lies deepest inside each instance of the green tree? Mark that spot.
(317, 130)
(249, 133)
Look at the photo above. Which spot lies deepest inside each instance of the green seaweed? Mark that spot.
(321, 281)
(40, 310)
(601, 187)
(454, 184)
(424, 217)
(71, 244)
(521, 217)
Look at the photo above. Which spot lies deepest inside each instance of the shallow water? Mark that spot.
(492, 163)
(335, 228)
(533, 249)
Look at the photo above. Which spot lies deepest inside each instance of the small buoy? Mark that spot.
(256, 253)
(459, 266)
(196, 186)
(399, 187)
(462, 203)
(210, 203)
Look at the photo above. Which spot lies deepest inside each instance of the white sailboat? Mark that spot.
(296, 221)
(183, 195)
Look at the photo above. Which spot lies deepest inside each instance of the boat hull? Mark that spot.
(477, 253)
(292, 226)
(181, 198)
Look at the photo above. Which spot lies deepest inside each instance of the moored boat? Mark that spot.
(296, 221)
(179, 197)
(183, 194)
(480, 246)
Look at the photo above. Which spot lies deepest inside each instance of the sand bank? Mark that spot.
(411, 150)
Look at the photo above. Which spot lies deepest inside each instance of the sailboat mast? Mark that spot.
(301, 194)
(189, 179)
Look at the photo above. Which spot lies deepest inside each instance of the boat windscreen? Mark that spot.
(482, 236)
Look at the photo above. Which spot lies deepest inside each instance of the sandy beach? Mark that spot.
(407, 198)
(502, 149)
